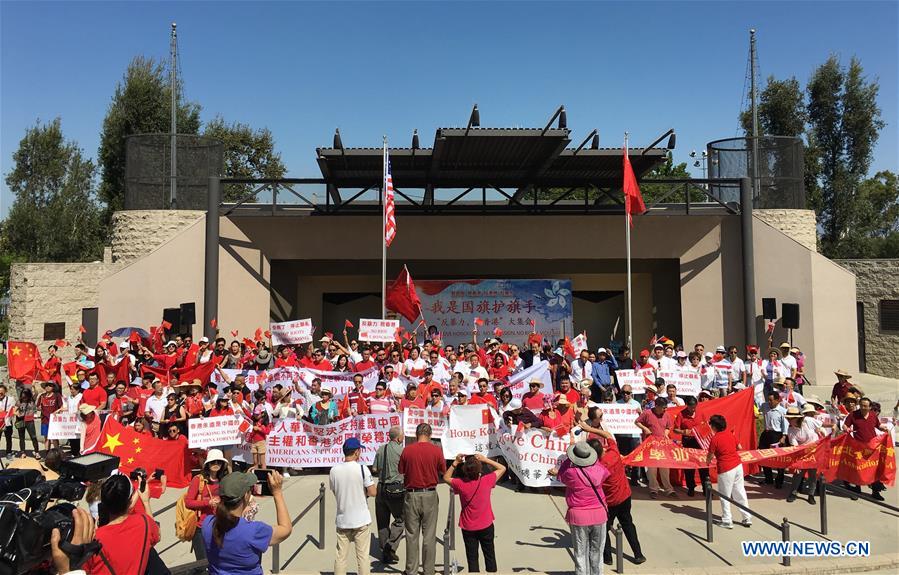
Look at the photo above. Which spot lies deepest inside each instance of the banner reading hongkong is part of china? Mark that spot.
(291, 332)
(507, 304)
(298, 443)
(206, 432)
(378, 330)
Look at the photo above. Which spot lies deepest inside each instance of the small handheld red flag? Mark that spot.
(478, 321)
(60, 343)
(81, 329)
(486, 416)
(258, 334)
(497, 332)
(234, 333)
(343, 408)
(347, 323)
(249, 342)
(329, 335)
(267, 333)
(213, 323)
(166, 325)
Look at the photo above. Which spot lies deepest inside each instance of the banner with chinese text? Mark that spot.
(291, 332)
(471, 429)
(619, 418)
(378, 330)
(64, 425)
(638, 380)
(687, 382)
(531, 453)
(413, 416)
(206, 432)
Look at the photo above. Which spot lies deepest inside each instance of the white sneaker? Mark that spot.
(722, 524)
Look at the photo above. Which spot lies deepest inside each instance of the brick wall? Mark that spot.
(800, 225)
(877, 280)
(138, 232)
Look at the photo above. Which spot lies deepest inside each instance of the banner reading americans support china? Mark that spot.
(509, 305)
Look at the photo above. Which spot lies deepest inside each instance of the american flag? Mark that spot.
(389, 204)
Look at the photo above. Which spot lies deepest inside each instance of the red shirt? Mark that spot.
(363, 365)
(532, 400)
(218, 412)
(289, 362)
(323, 365)
(684, 421)
(616, 486)
(724, 447)
(95, 396)
(553, 418)
(863, 429)
(486, 399)
(655, 423)
(418, 402)
(126, 545)
(260, 434)
(422, 465)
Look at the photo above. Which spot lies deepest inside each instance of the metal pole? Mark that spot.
(321, 516)
(276, 558)
(627, 235)
(174, 112)
(619, 549)
(748, 261)
(756, 187)
(785, 531)
(709, 535)
(211, 269)
(384, 237)
(446, 551)
(822, 502)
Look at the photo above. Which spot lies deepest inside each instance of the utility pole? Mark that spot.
(173, 82)
(756, 185)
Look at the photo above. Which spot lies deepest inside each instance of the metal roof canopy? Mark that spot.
(474, 157)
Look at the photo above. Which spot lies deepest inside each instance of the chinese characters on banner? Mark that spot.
(471, 429)
(637, 379)
(413, 416)
(380, 330)
(252, 378)
(206, 432)
(340, 382)
(511, 305)
(298, 443)
(687, 382)
(291, 332)
(619, 418)
(64, 425)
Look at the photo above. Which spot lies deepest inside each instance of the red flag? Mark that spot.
(343, 408)
(478, 321)
(497, 332)
(214, 323)
(166, 325)
(633, 200)
(568, 348)
(249, 342)
(329, 335)
(234, 333)
(138, 450)
(258, 335)
(402, 297)
(347, 323)
(23, 360)
(201, 371)
(134, 337)
(486, 416)
(60, 343)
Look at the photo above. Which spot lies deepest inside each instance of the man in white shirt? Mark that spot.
(788, 360)
(655, 360)
(474, 369)
(156, 403)
(352, 484)
(737, 367)
(581, 368)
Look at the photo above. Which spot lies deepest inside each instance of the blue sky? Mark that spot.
(373, 68)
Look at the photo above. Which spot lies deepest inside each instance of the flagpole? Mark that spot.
(627, 233)
(383, 236)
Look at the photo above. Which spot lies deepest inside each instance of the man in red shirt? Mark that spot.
(483, 396)
(684, 425)
(657, 423)
(358, 397)
(422, 465)
(319, 362)
(572, 395)
(366, 362)
(94, 394)
(723, 448)
(862, 424)
(533, 399)
(841, 387)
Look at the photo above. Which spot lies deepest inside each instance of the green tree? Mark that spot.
(845, 121)
(141, 104)
(55, 216)
(781, 109)
(248, 154)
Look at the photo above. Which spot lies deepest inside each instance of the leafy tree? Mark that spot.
(667, 170)
(781, 109)
(55, 216)
(248, 154)
(141, 104)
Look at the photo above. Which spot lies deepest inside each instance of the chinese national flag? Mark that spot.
(487, 416)
(201, 371)
(140, 450)
(23, 360)
(166, 325)
(347, 323)
(633, 199)
(343, 408)
(402, 297)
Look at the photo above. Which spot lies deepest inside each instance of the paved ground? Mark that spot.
(532, 535)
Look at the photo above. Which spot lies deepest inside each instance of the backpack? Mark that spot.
(187, 520)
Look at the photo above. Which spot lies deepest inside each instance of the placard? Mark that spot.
(532, 453)
(687, 382)
(291, 332)
(298, 443)
(206, 432)
(471, 429)
(634, 378)
(519, 383)
(619, 418)
(380, 330)
(413, 416)
(64, 425)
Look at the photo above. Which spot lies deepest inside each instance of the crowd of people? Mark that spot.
(132, 382)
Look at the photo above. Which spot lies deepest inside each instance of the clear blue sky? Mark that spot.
(370, 68)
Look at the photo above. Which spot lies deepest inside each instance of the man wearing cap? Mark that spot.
(752, 368)
(723, 367)
(841, 387)
(656, 422)
(655, 359)
(422, 466)
(603, 369)
(787, 359)
(391, 492)
(352, 483)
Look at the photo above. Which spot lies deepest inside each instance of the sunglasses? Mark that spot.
(627, 393)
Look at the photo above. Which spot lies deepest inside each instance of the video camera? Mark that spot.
(26, 523)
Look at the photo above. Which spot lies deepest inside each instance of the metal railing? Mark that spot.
(822, 488)
(783, 527)
(320, 500)
(449, 535)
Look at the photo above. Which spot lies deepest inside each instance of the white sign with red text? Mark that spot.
(298, 443)
(413, 416)
(339, 382)
(687, 382)
(519, 382)
(619, 418)
(206, 432)
(471, 429)
(64, 425)
(379, 330)
(532, 453)
(637, 379)
(252, 379)
(291, 332)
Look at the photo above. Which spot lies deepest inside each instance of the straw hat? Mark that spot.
(808, 409)
(562, 400)
(86, 408)
(842, 373)
(813, 400)
(794, 412)
(581, 454)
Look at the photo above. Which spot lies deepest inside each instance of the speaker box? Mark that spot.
(173, 316)
(188, 313)
(769, 308)
(790, 315)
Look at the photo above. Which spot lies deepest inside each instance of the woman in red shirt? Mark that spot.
(723, 447)
(261, 429)
(499, 371)
(203, 494)
(222, 407)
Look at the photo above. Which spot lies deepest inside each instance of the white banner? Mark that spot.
(519, 382)
(636, 379)
(579, 344)
(618, 418)
(206, 432)
(471, 429)
(298, 443)
(379, 330)
(531, 453)
(413, 416)
(64, 425)
(687, 382)
(339, 382)
(291, 332)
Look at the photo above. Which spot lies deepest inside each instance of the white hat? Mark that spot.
(721, 349)
(681, 354)
(214, 455)
(658, 346)
(515, 403)
(326, 338)
(204, 339)
(464, 392)
(602, 350)
(170, 342)
(709, 354)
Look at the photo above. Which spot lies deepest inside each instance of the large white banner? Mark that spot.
(413, 416)
(339, 382)
(380, 330)
(687, 382)
(519, 382)
(619, 418)
(64, 425)
(637, 379)
(298, 443)
(531, 453)
(206, 432)
(291, 332)
(471, 429)
(298, 379)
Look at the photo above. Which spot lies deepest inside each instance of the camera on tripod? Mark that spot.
(25, 520)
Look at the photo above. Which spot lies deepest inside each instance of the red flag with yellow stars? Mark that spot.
(142, 450)
(24, 361)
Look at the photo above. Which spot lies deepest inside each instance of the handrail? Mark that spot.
(822, 488)
(784, 526)
(164, 509)
(320, 500)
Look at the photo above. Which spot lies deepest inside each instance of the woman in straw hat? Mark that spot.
(804, 429)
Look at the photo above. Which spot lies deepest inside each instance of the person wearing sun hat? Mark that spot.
(842, 387)
(233, 544)
(788, 360)
(587, 509)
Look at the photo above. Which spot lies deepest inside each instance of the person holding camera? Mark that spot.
(233, 544)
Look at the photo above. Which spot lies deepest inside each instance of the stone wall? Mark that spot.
(877, 280)
(136, 233)
(799, 225)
